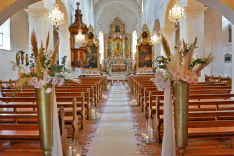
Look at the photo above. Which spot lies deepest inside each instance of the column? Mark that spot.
(169, 32)
(193, 26)
(64, 46)
(232, 59)
(38, 22)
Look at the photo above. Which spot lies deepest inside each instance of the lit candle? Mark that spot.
(78, 154)
(147, 140)
(70, 150)
(142, 134)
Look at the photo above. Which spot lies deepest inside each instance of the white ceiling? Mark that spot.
(129, 11)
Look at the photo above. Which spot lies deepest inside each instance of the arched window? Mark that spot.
(134, 43)
(5, 40)
(101, 45)
(230, 31)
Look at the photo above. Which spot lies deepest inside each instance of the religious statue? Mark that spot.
(22, 56)
(17, 58)
(27, 60)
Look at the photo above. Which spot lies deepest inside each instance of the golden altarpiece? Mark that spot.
(144, 52)
(117, 48)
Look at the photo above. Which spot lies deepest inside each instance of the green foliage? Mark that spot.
(196, 62)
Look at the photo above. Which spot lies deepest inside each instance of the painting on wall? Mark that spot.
(145, 51)
(145, 56)
(91, 56)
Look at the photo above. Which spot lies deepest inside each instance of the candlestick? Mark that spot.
(147, 140)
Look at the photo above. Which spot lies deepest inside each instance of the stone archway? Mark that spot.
(14, 7)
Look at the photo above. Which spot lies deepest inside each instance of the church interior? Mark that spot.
(116, 77)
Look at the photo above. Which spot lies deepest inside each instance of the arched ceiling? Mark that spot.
(224, 7)
(127, 10)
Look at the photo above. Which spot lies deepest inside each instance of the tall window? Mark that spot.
(1, 35)
(142, 5)
(5, 35)
(230, 31)
(134, 43)
(101, 45)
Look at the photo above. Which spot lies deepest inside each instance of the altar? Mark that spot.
(118, 67)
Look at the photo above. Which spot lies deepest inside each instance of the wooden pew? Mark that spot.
(212, 116)
(27, 132)
(31, 109)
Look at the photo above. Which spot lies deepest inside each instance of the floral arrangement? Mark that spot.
(181, 65)
(43, 69)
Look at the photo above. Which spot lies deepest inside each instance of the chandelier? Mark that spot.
(156, 39)
(80, 38)
(176, 13)
(56, 17)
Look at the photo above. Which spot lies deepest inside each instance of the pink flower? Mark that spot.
(48, 90)
(54, 81)
(47, 78)
(178, 75)
(61, 82)
(184, 77)
(39, 84)
(194, 79)
(30, 82)
(34, 80)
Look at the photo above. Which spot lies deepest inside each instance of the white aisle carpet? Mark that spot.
(115, 135)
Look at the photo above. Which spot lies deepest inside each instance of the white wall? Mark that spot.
(19, 41)
(217, 41)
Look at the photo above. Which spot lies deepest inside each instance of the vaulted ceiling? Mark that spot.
(129, 11)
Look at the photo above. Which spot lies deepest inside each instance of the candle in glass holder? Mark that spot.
(74, 151)
(70, 150)
(151, 135)
(147, 140)
(78, 154)
(144, 137)
(93, 114)
(148, 130)
(97, 116)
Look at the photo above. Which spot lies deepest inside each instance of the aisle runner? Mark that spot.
(114, 135)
